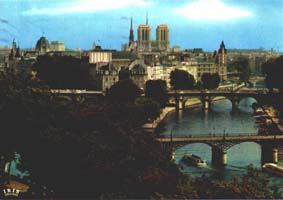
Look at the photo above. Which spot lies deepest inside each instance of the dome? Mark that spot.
(42, 45)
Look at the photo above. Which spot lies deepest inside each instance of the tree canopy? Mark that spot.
(156, 89)
(181, 80)
(124, 91)
(273, 70)
(124, 74)
(63, 72)
(241, 65)
(210, 81)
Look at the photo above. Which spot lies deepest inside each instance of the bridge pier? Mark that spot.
(235, 103)
(180, 103)
(206, 102)
(269, 154)
(219, 157)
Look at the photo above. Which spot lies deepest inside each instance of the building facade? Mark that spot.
(100, 58)
(57, 46)
(162, 38)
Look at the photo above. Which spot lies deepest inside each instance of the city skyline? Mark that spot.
(192, 23)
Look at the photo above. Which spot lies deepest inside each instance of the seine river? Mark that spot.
(220, 119)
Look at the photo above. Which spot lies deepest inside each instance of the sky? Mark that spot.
(242, 24)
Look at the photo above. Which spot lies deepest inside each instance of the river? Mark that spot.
(220, 119)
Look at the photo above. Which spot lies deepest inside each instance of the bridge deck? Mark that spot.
(221, 138)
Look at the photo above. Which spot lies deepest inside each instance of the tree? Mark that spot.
(210, 81)
(252, 185)
(181, 80)
(149, 108)
(273, 69)
(156, 89)
(124, 91)
(124, 74)
(241, 65)
(63, 72)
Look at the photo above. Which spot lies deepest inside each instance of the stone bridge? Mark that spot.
(180, 97)
(220, 144)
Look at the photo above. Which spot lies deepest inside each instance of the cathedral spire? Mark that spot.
(131, 37)
(146, 18)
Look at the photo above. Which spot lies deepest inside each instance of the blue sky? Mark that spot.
(193, 23)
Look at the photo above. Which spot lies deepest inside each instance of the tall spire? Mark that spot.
(131, 37)
(146, 18)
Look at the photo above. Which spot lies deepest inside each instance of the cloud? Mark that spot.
(212, 10)
(87, 6)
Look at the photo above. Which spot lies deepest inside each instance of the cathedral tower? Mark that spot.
(144, 37)
(162, 37)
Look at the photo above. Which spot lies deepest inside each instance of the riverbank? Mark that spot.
(191, 103)
(274, 116)
(150, 127)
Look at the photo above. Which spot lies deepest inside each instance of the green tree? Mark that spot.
(156, 89)
(181, 80)
(253, 185)
(273, 70)
(210, 81)
(124, 91)
(241, 65)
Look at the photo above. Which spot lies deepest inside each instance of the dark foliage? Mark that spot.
(124, 74)
(124, 91)
(181, 80)
(273, 70)
(156, 89)
(210, 81)
(63, 72)
(241, 65)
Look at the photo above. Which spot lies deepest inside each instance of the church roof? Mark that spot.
(123, 55)
(42, 42)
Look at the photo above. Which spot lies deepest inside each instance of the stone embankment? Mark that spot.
(193, 102)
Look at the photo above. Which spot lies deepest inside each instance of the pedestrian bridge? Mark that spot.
(221, 143)
(224, 138)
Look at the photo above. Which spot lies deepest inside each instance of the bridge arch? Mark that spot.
(215, 99)
(194, 101)
(243, 101)
(193, 148)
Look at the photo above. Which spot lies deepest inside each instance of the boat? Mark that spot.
(273, 169)
(193, 160)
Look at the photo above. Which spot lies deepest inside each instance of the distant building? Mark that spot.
(121, 59)
(105, 77)
(144, 42)
(221, 61)
(138, 73)
(100, 57)
(14, 57)
(42, 46)
(57, 46)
